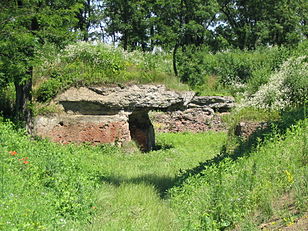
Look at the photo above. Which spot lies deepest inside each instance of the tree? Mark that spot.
(91, 19)
(285, 22)
(183, 23)
(84, 19)
(25, 26)
(130, 22)
(245, 24)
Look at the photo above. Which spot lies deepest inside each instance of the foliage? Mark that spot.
(49, 186)
(250, 114)
(248, 24)
(143, 25)
(190, 64)
(84, 64)
(221, 24)
(235, 70)
(7, 100)
(92, 188)
(132, 22)
(25, 26)
(287, 86)
(213, 87)
(242, 66)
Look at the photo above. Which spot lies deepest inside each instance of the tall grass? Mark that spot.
(134, 195)
(182, 186)
(45, 186)
(85, 63)
(222, 194)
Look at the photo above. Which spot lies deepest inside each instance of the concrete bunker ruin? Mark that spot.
(116, 114)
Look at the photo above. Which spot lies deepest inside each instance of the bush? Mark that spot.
(297, 81)
(48, 90)
(286, 87)
(232, 68)
(84, 64)
(190, 65)
(236, 66)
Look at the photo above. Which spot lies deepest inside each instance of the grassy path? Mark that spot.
(133, 197)
(47, 186)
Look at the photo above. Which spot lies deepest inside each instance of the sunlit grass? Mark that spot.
(132, 206)
(133, 196)
(177, 187)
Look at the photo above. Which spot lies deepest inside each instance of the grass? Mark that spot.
(134, 195)
(64, 187)
(84, 64)
(190, 183)
(222, 194)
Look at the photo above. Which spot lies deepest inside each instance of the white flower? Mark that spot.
(276, 93)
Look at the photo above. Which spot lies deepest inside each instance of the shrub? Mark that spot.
(248, 67)
(84, 64)
(191, 65)
(232, 68)
(286, 87)
(297, 81)
(48, 90)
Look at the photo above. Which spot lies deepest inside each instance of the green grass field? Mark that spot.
(46, 186)
(70, 186)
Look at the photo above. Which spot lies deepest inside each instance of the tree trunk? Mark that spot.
(23, 101)
(174, 59)
(23, 89)
(125, 41)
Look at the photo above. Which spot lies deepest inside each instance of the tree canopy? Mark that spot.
(26, 26)
(217, 23)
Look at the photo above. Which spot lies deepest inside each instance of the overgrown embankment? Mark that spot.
(241, 187)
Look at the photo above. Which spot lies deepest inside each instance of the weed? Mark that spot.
(222, 193)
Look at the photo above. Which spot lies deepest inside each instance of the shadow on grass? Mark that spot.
(246, 147)
(160, 183)
(162, 147)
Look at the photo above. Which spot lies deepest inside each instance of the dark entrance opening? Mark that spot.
(141, 130)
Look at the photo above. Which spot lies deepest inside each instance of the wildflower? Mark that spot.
(279, 92)
(13, 153)
(25, 158)
(289, 176)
